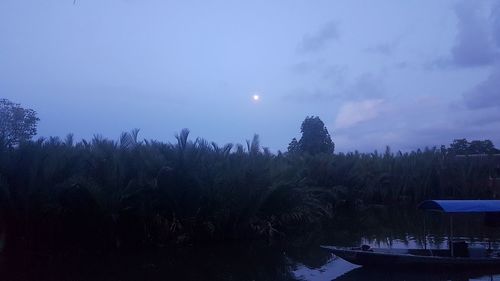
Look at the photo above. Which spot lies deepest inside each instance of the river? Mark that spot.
(299, 258)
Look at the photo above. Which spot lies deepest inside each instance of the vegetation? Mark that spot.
(315, 138)
(17, 124)
(462, 146)
(103, 195)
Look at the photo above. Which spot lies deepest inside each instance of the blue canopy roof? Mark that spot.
(461, 206)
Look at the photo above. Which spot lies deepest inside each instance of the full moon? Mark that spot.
(256, 97)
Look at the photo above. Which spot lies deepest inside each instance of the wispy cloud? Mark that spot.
(317, 41)
(384, 49)
(486, 93)
(308, 66)
(320, 68)
(311, 96)
(365, 86)
(352, 113)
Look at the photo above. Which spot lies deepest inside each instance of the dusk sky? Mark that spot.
(407, 74)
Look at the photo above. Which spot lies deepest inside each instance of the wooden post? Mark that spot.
(451, 236)
(425, 234)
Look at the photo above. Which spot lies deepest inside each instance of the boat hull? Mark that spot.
(405, 260)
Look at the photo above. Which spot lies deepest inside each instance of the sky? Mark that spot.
(406, 74)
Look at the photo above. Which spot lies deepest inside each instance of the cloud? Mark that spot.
(495, 16)
(352, 113)
(334, 73)
(474, 45)
(479, 118)
(320, 69)
(315, 42)
(367, 85)
(387, 48)
(475, 40)
(315, 95)
(411, 124)
(401, 65)
(383, 49)
(485, 94)
(306, 67)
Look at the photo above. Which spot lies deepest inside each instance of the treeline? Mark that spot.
(104, 195)
(129, 194)
(464, 147)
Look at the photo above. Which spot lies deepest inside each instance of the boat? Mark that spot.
(460, 254)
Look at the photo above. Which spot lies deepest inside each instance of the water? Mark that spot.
(338, 269)
(394, 229)
(298, 258)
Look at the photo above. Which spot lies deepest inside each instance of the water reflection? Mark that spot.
(376, 275)
(216, 262)
(386, 228)
(302, 259)
(340, 270)
(336, 267)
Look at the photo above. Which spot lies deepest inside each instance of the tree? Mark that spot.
(17, 124)
(315, 137)
(293, 146)
(481, 147)
(462, 146)
(459, 146)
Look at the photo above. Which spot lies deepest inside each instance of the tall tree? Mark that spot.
(293, 146)
(315, 137)
(481, 147)
(462, 146)
(17, 124)
(459, 146)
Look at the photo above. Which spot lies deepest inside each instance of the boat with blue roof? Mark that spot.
(460, 254)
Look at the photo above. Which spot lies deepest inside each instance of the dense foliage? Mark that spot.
(462, 146)
(104, 195)
(17, 124)
(315, 138)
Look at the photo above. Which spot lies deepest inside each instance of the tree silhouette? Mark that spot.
(462, 146)
(17, 124)
(315, 137)
(459, 146)
(293, 146)
(104, 195)
(480, 147)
